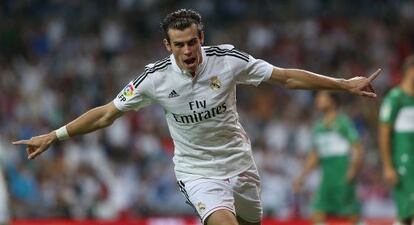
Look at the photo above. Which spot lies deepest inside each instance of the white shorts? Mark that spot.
(239, 194)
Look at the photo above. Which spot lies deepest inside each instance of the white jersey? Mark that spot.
(201, 111)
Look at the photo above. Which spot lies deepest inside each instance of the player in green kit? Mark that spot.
(396, 140)
(339, 154)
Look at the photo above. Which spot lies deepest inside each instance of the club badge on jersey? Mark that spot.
(215, 83)
(200, 207)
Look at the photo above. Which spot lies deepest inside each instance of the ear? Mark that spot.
(202, 38)
(167, 44)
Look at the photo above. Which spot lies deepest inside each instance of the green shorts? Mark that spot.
(403, 194)
(338, 200)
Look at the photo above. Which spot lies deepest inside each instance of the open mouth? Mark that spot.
(190, 61)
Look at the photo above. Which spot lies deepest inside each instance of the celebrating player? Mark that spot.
(196, 86)
(339, 153)
(396, 140)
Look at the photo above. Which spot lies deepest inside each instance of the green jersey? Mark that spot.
(333, 143)
(397, 110)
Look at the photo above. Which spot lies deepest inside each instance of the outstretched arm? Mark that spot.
(92, 120)
(302, 79)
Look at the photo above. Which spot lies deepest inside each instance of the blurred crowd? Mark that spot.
(60, 58)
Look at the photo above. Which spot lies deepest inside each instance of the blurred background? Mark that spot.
(60, 58)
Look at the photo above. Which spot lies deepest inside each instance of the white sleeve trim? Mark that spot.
(118, 105)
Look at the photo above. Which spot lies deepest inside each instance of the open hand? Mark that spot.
(390, 176)
(38, 144)
(362, 85)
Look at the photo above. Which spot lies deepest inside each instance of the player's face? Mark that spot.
(185, 45)
(323, 101)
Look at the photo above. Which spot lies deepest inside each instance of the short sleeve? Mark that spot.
(254, 71)
(388, 110)
(135, 94)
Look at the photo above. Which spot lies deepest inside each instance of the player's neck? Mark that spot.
(408, 88)
(329, 117)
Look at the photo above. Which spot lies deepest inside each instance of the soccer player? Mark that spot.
(338, 152)
(396, 141)
(196, 86)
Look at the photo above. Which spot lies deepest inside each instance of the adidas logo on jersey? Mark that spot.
(173, 94)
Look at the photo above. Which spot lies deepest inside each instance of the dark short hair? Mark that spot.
(180, 20)
(408, 63)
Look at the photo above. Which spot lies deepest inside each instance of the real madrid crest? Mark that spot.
(215, 83)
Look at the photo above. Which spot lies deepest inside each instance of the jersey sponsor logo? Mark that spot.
(331, 143)
(200, 112)
(405, 120)
(215, 83)
(173, 94)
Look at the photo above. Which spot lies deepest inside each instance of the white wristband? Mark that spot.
(62, 133)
